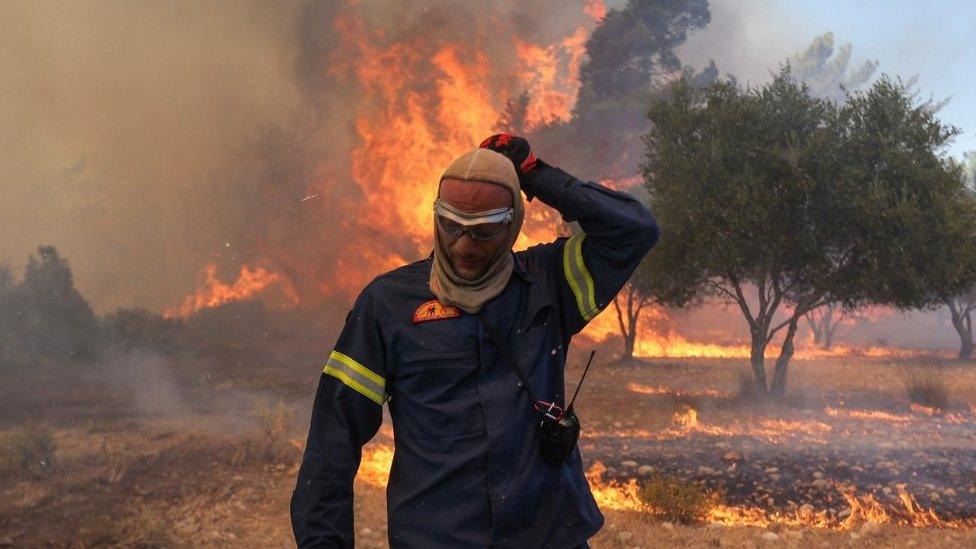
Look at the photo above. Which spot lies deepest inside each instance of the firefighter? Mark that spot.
(467, 468)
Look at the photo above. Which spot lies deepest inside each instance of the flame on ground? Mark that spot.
(625, 496)
(687, 418)
(688, 423)
(374, 469)
(670, 344)
(613, 495)
(662, 390)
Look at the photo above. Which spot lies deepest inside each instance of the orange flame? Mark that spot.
(671, 344)
(215, 293)
(550, 74)
(687, 418)
(625, 496)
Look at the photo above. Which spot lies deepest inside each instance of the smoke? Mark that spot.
(146, 140)
(114, 117)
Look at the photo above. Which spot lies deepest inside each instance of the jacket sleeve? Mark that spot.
(347, 412)
(594, 264)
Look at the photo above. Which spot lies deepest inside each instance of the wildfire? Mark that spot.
(625, 496)
(662, 390)
(427, 100)
(670, 344)
(611, 494)
(922, 409)
(214, 293)
(551, 76)
(876, 415)
(374, 469)
(687, 418)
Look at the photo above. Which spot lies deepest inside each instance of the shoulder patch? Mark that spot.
(434, 310)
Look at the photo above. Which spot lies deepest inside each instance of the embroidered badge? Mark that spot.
(434, 310)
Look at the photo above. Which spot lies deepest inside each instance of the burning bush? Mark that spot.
(27, 452)
(927, 389)
(675, 500)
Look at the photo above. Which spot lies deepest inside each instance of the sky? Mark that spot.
(931, 39)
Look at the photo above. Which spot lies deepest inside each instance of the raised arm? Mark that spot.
(617, 231)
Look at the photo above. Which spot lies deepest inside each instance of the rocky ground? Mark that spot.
(203, 476)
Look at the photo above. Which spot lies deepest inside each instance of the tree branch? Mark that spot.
(741, 299)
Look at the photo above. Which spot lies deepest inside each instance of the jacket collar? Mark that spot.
(518, 268)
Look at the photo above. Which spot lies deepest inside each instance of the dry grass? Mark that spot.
(177, 490)
(27, 452)
(927, 387)
(145, 528)
(274, 422)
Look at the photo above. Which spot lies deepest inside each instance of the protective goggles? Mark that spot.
(479, 226)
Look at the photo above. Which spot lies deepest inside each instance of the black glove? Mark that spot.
(518, 150)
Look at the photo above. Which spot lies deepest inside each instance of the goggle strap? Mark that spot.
(467, 220)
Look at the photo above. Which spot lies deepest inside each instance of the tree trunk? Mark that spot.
(823, 323)
(829, 339)
(629, 320)
(783, 361)
(814, 324)
(966, 349)
(962, 322)
(629, 339)
(757, 360)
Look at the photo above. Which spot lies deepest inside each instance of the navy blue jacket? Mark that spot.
(467, 468)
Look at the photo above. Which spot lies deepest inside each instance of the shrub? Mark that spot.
(274, 422)
(675, 500)
(928, 389)
(27, 452)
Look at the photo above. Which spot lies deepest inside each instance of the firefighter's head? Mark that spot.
(477, 218)
(473, 220)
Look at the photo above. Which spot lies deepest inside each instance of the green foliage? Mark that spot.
(806, 200)
(675, 500)
(27, 452)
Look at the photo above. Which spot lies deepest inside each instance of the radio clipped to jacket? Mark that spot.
(559, 428)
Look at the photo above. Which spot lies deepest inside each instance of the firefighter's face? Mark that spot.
(470, 258)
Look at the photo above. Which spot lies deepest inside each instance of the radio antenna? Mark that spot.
(587, 369)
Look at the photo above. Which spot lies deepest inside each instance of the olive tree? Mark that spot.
(787, 202)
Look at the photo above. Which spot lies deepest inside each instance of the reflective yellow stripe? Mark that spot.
(590, 292)
(356, 376)
(579, 278)
(348, 361)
